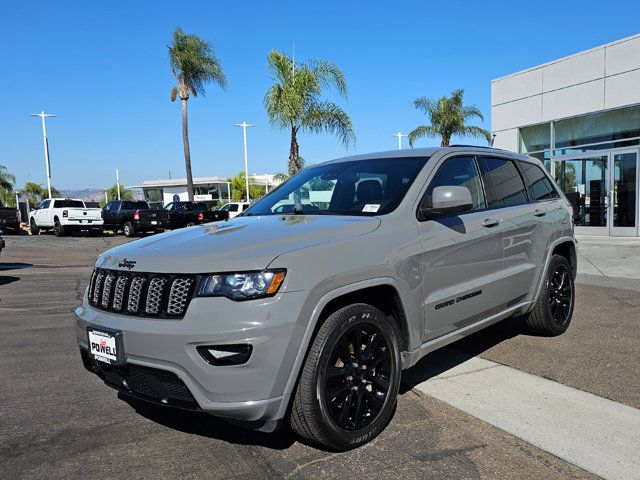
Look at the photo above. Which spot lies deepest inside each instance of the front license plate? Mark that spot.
(154, 222)
(106, 345)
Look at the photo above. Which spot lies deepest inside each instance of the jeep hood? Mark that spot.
(242, 243)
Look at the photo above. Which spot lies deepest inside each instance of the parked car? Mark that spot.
(63, 215)
(187, 214)
(234, 208)
(133, 217)
(9, 218)
(309, 317)
(1, 242)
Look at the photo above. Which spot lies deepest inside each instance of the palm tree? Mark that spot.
(193, 64)
(448, 116)
(7, 180)
(36, 192)
(293, 101)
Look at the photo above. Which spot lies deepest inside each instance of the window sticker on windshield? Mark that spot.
(371, 208)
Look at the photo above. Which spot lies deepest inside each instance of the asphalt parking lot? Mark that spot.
(58, 421)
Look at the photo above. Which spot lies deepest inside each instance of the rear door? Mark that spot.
(525, 234)
(463, 254)
(110, 212)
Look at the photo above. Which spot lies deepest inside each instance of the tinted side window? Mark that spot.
(45, 204)
(233, 207)
(539, 184)
(459, 171)
(507, 187)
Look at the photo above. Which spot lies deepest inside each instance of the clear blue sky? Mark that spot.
(102, 68)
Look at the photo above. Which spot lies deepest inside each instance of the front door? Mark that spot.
(463, 260)
(603, 190)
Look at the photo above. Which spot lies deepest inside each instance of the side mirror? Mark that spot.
(447, 200)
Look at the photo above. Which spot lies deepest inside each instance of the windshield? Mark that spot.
(360, 187)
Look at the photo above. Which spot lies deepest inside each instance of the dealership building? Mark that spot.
(580, 115)
(210, 190)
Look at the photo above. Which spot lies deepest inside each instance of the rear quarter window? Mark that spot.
(540, 187)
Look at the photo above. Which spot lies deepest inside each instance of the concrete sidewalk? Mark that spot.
(613, 257)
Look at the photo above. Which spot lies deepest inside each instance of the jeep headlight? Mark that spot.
(241, 286)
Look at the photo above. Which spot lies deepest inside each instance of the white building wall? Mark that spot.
(601, 78)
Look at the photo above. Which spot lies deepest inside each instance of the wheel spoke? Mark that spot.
(377, 398)
(345, 409)
(335, 392)
(336, 371)
(358, 414)
(345, 352)
(357, 343)
(379, 357)
(374, 340)
(380, 382)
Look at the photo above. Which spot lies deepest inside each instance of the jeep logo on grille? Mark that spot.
(127, 264)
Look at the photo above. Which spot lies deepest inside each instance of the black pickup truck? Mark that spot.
(186, 214)
(133, 217)
(9, 219)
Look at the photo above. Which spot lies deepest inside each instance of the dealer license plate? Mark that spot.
(106, 345)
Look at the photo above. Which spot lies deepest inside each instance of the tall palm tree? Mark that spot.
(7, 180)
(194, 65)
(448, 117)
(293, 101)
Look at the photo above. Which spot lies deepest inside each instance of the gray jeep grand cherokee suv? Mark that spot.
(307, 306)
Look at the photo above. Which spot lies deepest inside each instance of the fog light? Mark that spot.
(221, 355)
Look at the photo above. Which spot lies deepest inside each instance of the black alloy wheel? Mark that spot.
(357, 377)
(560, 294)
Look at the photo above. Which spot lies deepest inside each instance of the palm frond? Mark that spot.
(194, 63)
(7, 180)
(472, 111)
(476, 132)
(329, 117)
(422, 131)
(329, 75)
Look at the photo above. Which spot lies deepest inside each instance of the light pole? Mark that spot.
(43, 115)
(244, 126)
(399, 135)
(118, 182)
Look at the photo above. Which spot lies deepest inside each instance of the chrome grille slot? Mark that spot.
(135, 294)
(179, 295)
(154, 295)
(118, 294)
(106, 289)
(141, 294)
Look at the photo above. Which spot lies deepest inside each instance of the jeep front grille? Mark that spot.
(142, 294)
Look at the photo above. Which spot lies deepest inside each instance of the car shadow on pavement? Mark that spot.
(7, 279)
(204, 425)
(14, 266)
(444, 359)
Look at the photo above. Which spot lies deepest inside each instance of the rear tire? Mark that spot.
(349, 384)
(58, 229)
(553, 310)
(35, 230)
(129, 230)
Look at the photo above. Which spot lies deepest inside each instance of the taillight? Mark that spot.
(200, 217)
(136, 215)
(65, 213)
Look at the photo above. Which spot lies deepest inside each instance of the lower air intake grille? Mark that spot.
(143, 294)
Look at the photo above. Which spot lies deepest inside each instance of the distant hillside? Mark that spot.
(93, 194)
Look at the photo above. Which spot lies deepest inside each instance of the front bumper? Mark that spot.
(251, 392)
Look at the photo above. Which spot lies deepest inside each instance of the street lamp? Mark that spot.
(399, 135)
(244, 126)
(43, 115)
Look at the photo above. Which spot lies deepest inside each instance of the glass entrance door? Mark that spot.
(584, 181)
(603, 190)
(624, 193)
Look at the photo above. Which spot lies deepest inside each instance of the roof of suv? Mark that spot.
(427, 152)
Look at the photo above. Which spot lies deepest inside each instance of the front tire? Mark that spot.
(553, 310)
(35, 230)
(349, 383)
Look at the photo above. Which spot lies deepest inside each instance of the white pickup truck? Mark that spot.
(64, 215)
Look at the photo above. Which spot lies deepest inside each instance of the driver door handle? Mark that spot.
(491, 222)
(538, 212)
